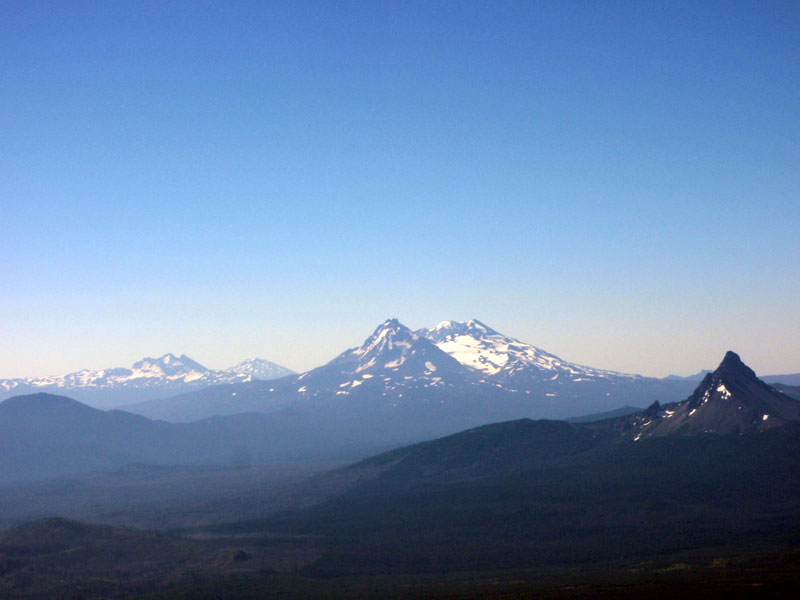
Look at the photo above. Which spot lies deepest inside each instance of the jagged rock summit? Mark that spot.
(731, 399)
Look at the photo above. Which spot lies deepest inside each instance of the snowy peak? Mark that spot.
(392, 359)
(478, 346)
(449, 328)
(384, 334)
(393, 346)
(168, 365)
(258, 368)
(387, 347)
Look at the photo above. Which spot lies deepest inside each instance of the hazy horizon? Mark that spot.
(219, 366)
(617, 184)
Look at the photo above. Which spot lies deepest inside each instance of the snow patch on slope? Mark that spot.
(479, 347)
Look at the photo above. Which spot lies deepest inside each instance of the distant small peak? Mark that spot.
(170, 362)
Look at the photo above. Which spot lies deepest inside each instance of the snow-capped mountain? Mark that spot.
(258, 368)
(729, 400)
(391, 360)
(465, 369)
(169, 366)
(147, 378)
(394, 353)
(507, 360)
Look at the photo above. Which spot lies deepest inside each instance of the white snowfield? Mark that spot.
(479, 347)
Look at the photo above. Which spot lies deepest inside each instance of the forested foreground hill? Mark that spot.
(576, 517)
(620, 501)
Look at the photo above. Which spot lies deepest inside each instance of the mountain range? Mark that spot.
(470, 359)
(689, 485)
(399, 388)
(148, 378)
(467, 369)
(701, 481)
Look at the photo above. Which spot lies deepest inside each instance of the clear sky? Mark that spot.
(615, 182)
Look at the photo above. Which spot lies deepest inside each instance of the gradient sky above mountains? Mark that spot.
(617, 183)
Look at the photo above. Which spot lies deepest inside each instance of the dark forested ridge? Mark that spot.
(443, 517)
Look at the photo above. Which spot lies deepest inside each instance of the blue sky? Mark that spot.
(615, 182)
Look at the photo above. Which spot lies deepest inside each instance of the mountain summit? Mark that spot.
(394, 346)
(258, 368)
(392, 358)
(168, 365)
(732, 399)
(732, 365)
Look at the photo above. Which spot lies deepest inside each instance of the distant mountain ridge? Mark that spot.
(440, 380)
(147, 378)
(396, 388)
(46, 435)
